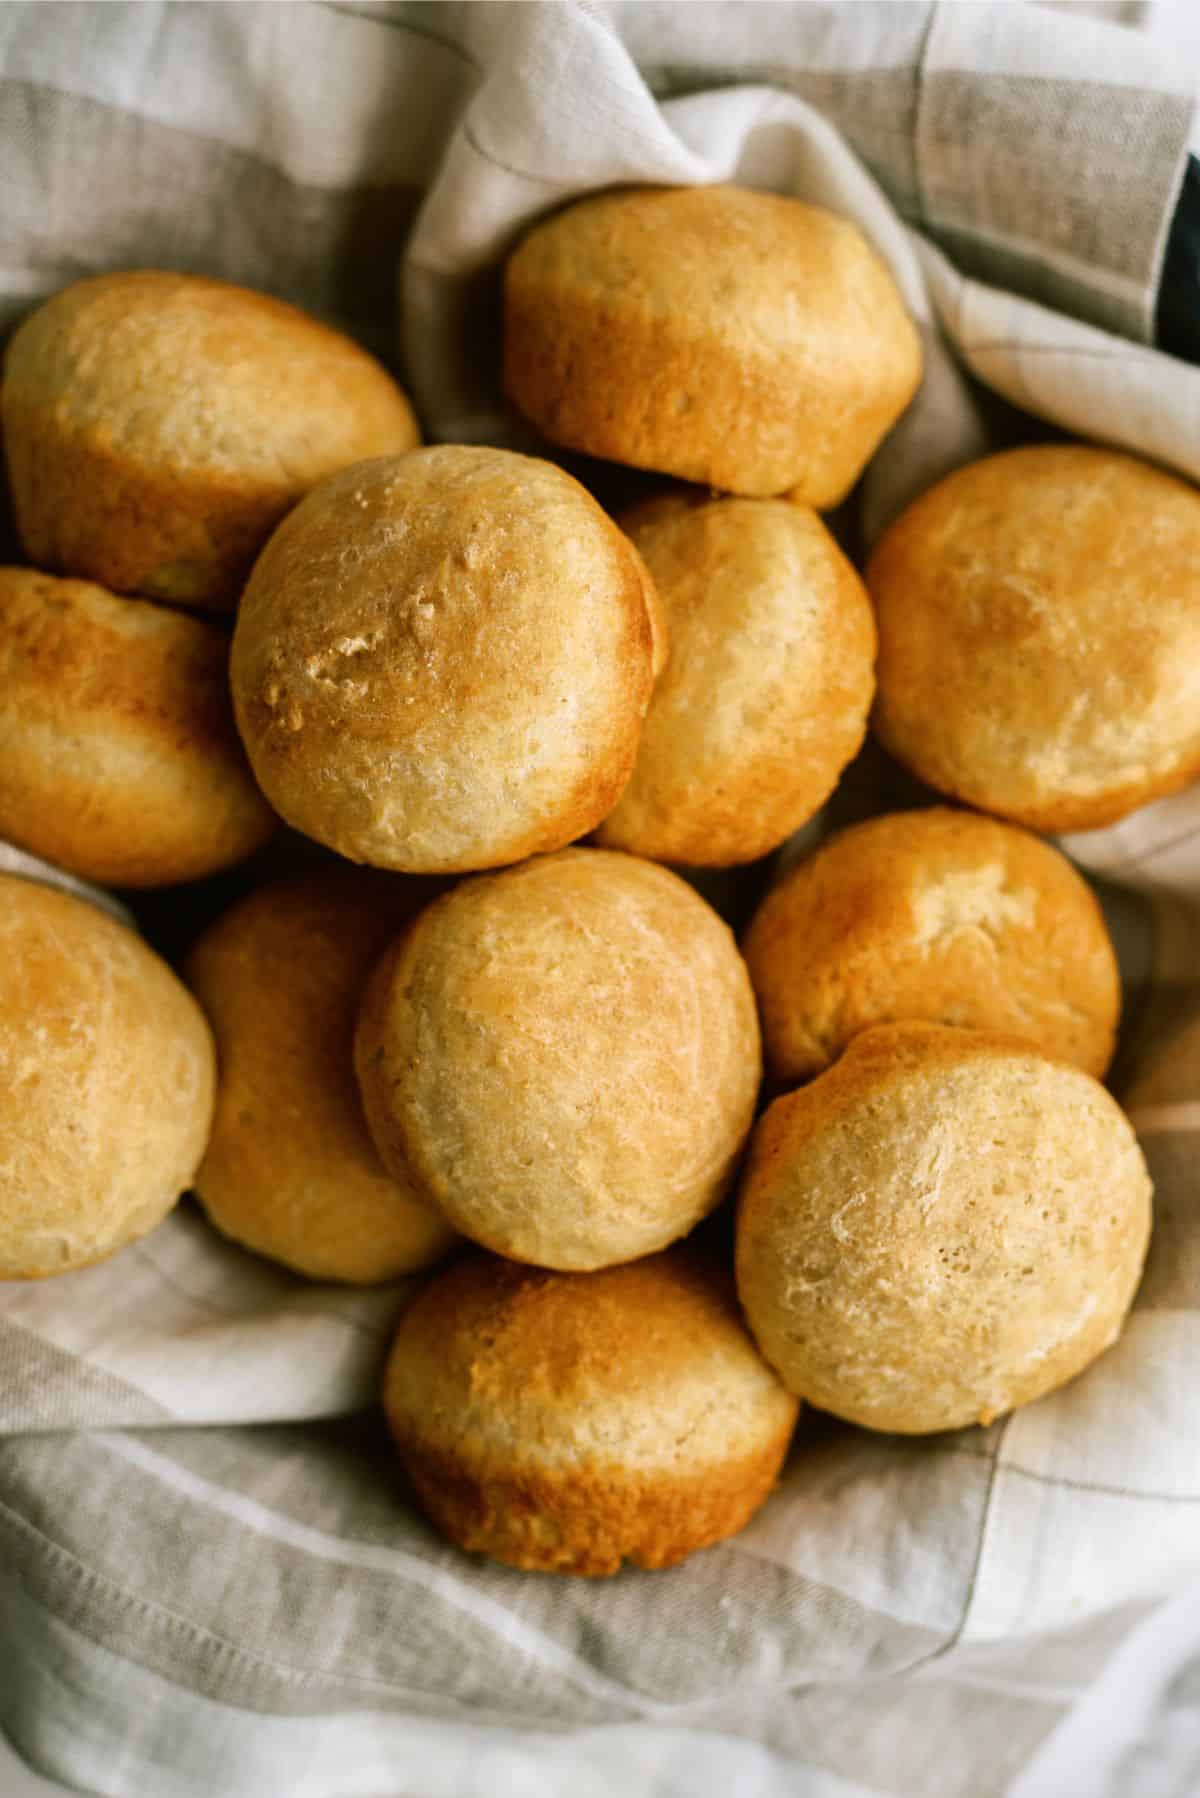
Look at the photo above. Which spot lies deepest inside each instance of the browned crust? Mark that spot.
(591, 379)
(570, 1422)
(474, 1028)
(188, 536)
(880, 1329)
(107, 1071)
(686, 804)
(592, 1519)
(278, 976)
(107, 484)
(834, 948)
(317, 746)
(625, 372)
(968, 584)
(1053, 818)
(119, 759)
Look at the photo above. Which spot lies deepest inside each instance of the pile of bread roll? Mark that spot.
(512, 1035)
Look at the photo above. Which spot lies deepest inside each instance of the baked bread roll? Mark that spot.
(563, 1058)
(768, 682)
(1039, 635)
(943, 1227)
(738, 339)
(565, 1423)
(106, 1083)
(937, 916)
(442, 661)
(118, 754)
(290, 1169)
(158, 426)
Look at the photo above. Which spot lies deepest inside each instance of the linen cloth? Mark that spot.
(210, 1580)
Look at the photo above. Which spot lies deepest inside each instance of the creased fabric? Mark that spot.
(210, 1577)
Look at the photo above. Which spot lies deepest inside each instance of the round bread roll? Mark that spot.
(118, 754)
(442, 661)
(563, 1058)
(158, 426)
(106, 1083)
(936, 916)
(290, 1170)
(942, 1227)
(738, 339)
(1039, 635)
(565, 1423)
(768, 682)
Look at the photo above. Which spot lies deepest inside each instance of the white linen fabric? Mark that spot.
(210, 1578)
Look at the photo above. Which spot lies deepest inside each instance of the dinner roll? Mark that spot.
(118, 754)
(564, 1058)
(738, 339)
(443, 660)
(565, 1423)
(942, 1227)
(158, 426)
(290, 1169)
(767, 687)
(106, 1083)
(940, 916)
(1039, 635)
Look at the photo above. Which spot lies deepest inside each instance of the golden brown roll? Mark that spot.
(106, 1083)
(443, 660)
(937, 916)
(943, 1227)
(118, 754)
(565, 1423)
(768, 681)
(563, 1058)
(1039, 635)
(738, 339)
(290, 1170)
(157, 427)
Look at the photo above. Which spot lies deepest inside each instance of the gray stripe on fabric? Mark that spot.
(154, 1635)
(874, 109)
(44, 1388)
(174, 199)
(859, 67)
(1080, 170)
(1024, 270)
(130, 1557)
(839, 1726)
(835, 1483)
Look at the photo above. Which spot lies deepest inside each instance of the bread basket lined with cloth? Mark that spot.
(207, 1581)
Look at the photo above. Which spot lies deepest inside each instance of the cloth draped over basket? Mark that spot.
(209, 1578)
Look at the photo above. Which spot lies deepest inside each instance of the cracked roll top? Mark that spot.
(158, 426)
(566, 1423)
(937, 916)
(442, 661)
(942, 1227)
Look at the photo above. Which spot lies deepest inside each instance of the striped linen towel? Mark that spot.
(209, 1583)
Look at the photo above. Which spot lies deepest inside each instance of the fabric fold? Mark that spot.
(210, 1575)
